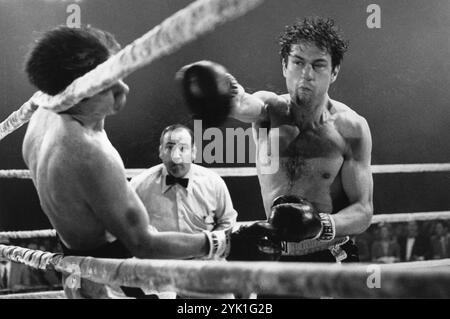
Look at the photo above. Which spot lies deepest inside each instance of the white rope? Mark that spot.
(429, 279)
(26, 234)
(251, 171)
(15, 173)
(37, 259)
(376, 169)
(411, 168)
(438, 263)
(184, 26)
(18, 118)
(408, 217)
(36, 295)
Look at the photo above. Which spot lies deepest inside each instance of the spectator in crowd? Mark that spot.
(385, 249)
(364, 242)
(428, 228)
(5, 267)
(49, 278)
(440, 242)
(414, 246)
(399, 230)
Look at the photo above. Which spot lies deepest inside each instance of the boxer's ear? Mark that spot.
(334, 73)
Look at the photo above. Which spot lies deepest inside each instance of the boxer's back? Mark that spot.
(57, 151)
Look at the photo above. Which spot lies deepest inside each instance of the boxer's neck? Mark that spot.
(89, 116)
(90, 122)
(310, 116)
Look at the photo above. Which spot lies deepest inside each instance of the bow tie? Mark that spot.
(170, 180)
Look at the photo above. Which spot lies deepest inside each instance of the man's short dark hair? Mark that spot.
(319, 31)
(174, 127)
(63, 54)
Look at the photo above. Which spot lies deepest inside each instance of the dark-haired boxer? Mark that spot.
(325, 147)
(80, 177)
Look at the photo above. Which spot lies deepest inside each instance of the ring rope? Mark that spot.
(18, 118)
(26, 234)
(37, 259)
(15, 173)
(184, 26)
(36, 295)
(251, 171)
(304, 279)
(420, 264)
(376, 169)
(410, 168)
(377, 219)
(408, 217)
(310, 280)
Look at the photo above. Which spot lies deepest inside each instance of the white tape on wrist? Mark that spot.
(328, 228)
(218, 244)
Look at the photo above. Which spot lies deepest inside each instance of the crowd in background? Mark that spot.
(381, 243)
(400, 242)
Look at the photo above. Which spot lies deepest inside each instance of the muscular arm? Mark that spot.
(122, 213)
(357, 180)
(250, 108)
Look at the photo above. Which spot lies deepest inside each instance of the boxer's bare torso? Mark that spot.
(310, 145)
(58, 149)
(82, 186)
(310, 157)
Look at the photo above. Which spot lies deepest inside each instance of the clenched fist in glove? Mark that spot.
(295, 219)
(209, 91)
(250, 242)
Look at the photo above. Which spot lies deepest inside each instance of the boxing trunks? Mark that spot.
(339, 250)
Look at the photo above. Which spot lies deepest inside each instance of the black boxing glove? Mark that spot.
(209, 91)
(255, 242)
(250, 242)
(295, 219)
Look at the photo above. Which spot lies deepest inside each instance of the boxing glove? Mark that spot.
(209, 91)
(295, 219)
(249, 242)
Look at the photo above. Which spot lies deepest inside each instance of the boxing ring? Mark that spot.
(421, 279)
(425, 279)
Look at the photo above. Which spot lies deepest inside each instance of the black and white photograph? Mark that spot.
(224, 155)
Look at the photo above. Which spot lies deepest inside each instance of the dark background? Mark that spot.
(397, 77)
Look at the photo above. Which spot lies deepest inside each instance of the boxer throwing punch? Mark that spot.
(324, 146)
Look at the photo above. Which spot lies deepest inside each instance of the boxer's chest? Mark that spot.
(309, 158)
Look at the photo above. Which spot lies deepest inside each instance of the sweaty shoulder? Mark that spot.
(349, 123)
(50, 136)
(267, 97)
(275, 105)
